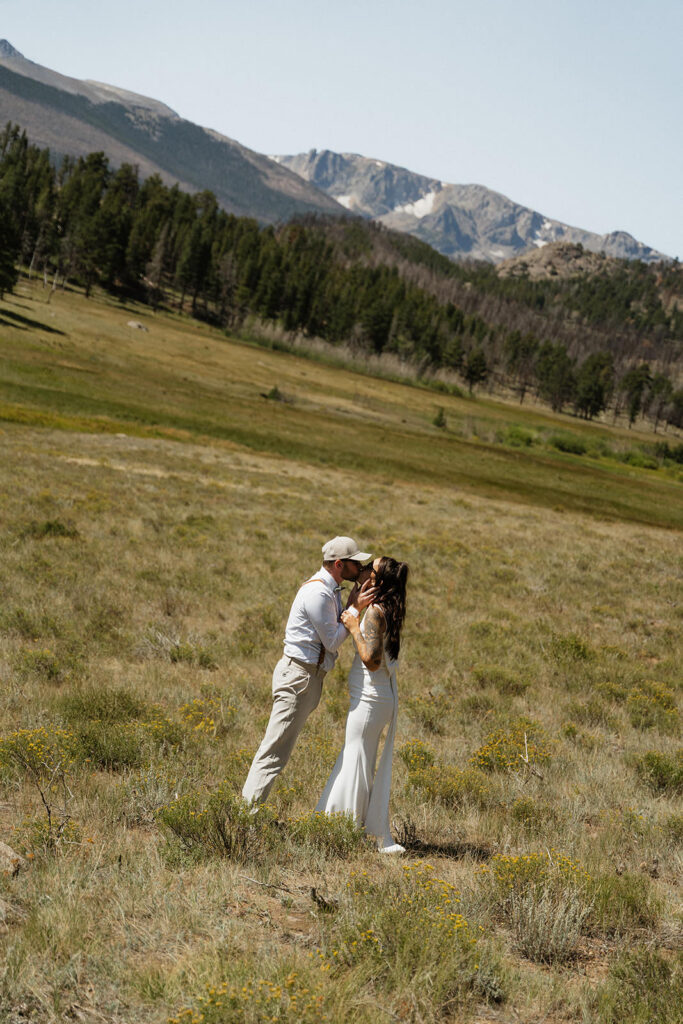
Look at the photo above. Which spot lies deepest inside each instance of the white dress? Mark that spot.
(354, 787)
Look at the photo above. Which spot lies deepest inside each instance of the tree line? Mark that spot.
(346, 281)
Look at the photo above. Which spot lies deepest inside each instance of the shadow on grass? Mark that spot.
(455, 850)
(10, 319)
(406, 834)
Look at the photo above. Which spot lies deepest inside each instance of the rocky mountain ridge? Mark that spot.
(461, 221)
(74, 117)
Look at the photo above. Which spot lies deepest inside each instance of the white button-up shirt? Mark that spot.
(314, 620)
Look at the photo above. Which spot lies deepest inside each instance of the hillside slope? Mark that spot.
(76, 118)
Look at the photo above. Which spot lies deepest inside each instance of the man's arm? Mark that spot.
(321, 609)
(361, 596)
(369, 646)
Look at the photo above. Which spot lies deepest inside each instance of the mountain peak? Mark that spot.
(460, 221)
(7, 50)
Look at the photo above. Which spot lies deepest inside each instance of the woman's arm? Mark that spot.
(369, 646)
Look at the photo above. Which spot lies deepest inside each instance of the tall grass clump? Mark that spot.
(623, 904)
(644, 986)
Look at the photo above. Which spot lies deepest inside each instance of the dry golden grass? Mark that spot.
(150, 577)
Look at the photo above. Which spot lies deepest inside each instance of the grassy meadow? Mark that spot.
(163, 492)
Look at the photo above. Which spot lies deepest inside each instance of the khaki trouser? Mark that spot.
(296, 692)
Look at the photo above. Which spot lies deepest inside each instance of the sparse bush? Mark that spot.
(257, 627)
(208, 715)
(429, 710)
(661, 772)
(39, 752)
(639, 459)
(416, 754)
(334, 835)
(103, 705)
(45, 836)
(672, 826)
(51, 528)
(568, 443)
(531, 814)
(451, 786)
(505, 682)
(170, 646)
(623, 903)
(116, 745)
(477, 704)
(291, 997)
(410, 934)
(522, 745)
(210, 823)
(518, 873)
(544, 897)
(651, 705)
(613, 691)
(40, 664)
(143, 792)
(516, 436)
(440, 418)
(643, 986)
(569, 648)
(580, 737)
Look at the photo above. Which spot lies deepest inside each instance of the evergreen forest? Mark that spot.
(607, 342)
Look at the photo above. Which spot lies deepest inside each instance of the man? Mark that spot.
(313, 636)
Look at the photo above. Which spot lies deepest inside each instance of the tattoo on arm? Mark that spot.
(370, 648)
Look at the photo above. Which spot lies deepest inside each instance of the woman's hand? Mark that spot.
(351, 621)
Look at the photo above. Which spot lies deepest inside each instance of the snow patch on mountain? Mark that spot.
(348, 202)
(420, 208)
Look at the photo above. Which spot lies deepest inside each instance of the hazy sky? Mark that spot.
(571, 107)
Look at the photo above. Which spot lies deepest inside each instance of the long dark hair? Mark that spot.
(391, 578)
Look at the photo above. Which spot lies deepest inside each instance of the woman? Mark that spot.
(354, 787)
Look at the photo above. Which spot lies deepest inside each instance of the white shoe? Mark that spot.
(394, 848)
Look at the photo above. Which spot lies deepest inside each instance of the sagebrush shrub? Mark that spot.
(335, 835)
(449, 785)
(409, 932)
(663, 773)
(429, 710)
(547, 922)
(505, 681)
(217, 823)
(522, 745)
(651, 705)
(416, 754)
(104, 705)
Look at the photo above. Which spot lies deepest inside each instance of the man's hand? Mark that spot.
(361, 597)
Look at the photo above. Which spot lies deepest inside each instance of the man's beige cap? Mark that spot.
(344, 547)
